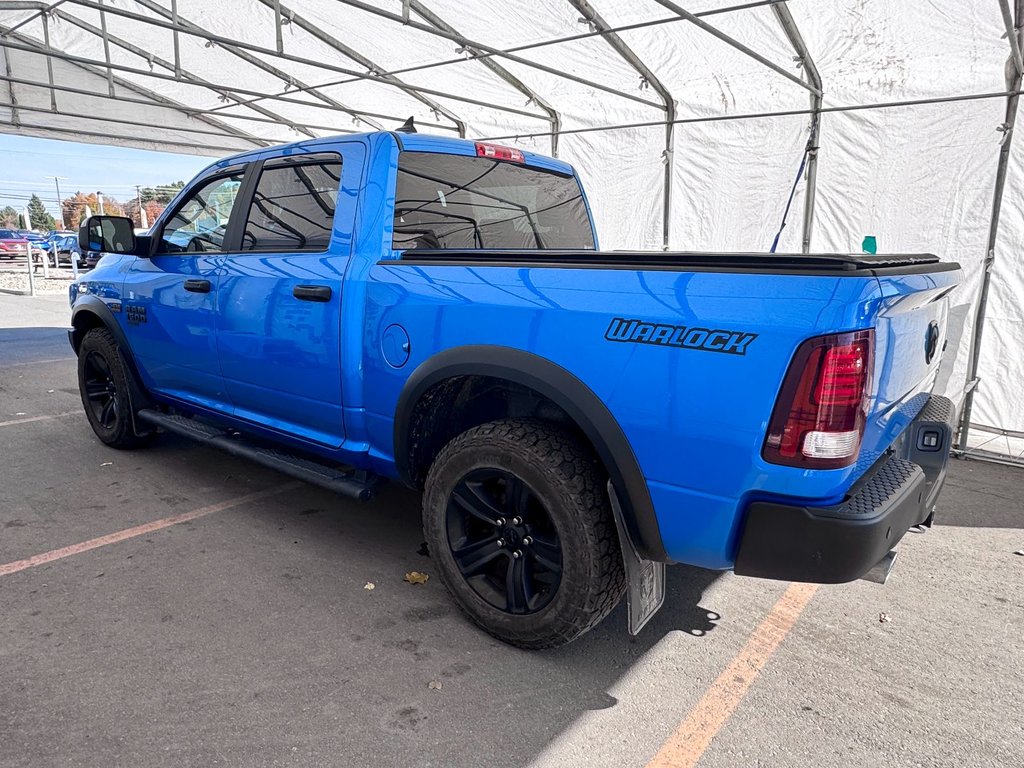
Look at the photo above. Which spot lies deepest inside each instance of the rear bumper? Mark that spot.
(828, 545)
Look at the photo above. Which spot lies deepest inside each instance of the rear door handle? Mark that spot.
(197, 286)
(312, 292)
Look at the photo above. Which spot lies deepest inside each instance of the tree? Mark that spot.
(8, 217)
(38, 215)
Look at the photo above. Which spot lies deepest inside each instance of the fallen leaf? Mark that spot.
(884, 617)
(370, 585)
(107, 464)
(434, 685)
(49, 391)
(415, 577)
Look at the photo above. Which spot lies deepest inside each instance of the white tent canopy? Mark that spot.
(688, 125)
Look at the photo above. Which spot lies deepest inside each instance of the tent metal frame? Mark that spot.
(241, 104)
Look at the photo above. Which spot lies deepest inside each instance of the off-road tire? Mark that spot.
(568, 481)
(119, 432)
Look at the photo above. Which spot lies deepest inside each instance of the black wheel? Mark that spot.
(104, 385)
(516, 516)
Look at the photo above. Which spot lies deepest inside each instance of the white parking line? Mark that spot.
(30, 419)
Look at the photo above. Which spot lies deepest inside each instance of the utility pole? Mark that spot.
(99, 200)
(142, 211)
(60, 205)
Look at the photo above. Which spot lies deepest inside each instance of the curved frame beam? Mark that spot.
(1014, 83)
(591, 16)
(792, 32)
(302, 23)
(553, 117)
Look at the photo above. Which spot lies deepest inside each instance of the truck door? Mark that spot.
(170, 299)
(279, 302)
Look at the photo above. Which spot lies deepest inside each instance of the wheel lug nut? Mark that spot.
(500, 542)
(499, 522)
(527, 540)
(517, 521)
(517, 554)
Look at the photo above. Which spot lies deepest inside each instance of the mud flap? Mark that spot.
(645, 579)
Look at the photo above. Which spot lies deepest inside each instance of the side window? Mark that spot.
(293, 207)
(201, 223)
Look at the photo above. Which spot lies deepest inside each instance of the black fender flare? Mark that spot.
(565, 390)
(93, 305)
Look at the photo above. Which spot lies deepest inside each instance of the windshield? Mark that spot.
(457, 202)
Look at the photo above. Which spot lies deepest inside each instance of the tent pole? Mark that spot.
(298, 20)
(106, 48)
(159, 99)
(696, 21)
(647, 78)
(553, 117)
(1014, 81)
(814, 78)
(270, 69)
(15, 119)
(483, 55)
(49, 62)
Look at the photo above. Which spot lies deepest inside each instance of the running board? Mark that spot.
(356, 485)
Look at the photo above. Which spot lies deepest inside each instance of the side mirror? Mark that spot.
(108, 234)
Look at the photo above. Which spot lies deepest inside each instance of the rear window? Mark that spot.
(456, 202)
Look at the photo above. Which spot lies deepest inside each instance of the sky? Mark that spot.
(26, 162)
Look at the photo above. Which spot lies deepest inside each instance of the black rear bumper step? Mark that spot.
(346, 482)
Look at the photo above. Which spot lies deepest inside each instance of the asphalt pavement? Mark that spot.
(193, 609)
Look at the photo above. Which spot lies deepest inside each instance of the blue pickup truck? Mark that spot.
(398, 306)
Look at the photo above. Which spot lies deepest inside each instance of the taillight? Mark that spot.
(818, 421)
(498, 152)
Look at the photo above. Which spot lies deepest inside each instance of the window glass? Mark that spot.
(453, 201)
(201, 224)
(293, 208)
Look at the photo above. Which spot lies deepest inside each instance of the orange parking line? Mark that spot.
(30, 419)
(687, 745)
(140, 530)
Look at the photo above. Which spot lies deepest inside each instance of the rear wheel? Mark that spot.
(104, 384)
(516, 516)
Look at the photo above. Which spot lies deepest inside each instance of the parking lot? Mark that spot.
(177, 606)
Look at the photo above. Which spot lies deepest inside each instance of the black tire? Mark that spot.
(542, 476)
(105, 386)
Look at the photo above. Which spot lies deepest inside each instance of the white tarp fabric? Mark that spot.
(917, 178)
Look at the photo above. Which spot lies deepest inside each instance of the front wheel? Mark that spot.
(103, 381)
(517, 519)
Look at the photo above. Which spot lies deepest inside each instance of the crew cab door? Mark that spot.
(279, 302)
(170, 299)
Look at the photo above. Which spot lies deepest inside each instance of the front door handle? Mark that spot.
(312, 292)
(197, 286)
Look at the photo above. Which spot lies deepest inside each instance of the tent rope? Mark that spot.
(792, 192)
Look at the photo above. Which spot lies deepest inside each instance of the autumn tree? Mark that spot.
(38, 216)
(8, 218)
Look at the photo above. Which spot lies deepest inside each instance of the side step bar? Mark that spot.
(348, 483)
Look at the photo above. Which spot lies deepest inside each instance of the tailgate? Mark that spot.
(910, 339)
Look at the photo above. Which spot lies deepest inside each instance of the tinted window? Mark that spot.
(293, 208)
(201, 223)
(450, 201)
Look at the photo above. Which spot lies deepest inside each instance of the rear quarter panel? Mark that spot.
(695, 419)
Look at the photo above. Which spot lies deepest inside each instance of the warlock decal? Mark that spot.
(707, 339)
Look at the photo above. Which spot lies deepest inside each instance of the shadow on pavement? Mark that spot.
(982, 494)
(32, 345)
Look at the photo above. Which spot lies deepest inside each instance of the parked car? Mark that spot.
(12, 244)
(436, 311)
(68, 249)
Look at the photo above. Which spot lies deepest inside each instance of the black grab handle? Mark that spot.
(197, 286)
(312, 292)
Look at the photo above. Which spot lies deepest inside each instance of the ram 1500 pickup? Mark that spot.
(436, 311)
